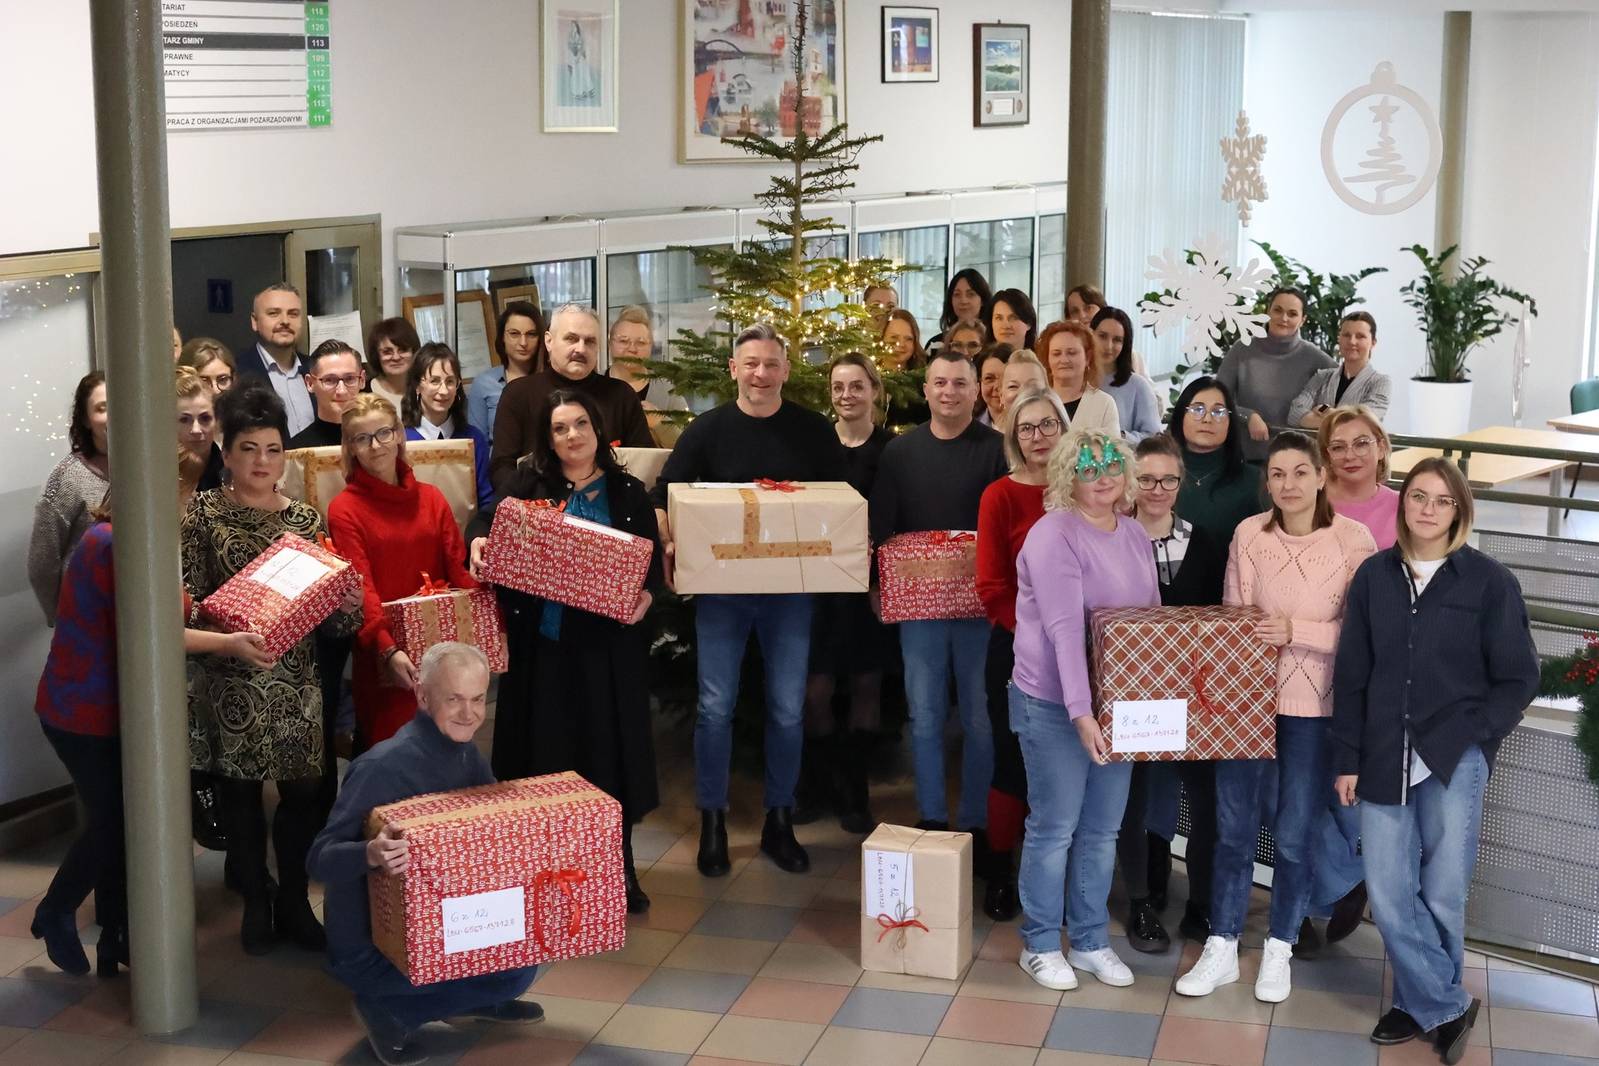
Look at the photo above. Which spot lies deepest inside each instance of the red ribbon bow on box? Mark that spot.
(769, 485)
(944, 536)
(431, 587)
(566, 881)
(325, 542)
(1201, 675)
(549, 503)
(906, 920)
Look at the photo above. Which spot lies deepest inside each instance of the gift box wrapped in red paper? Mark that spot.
(541, 550)
(283, 593)
(438, 613)
(500, 877)
(927, 575)
(1184, 683)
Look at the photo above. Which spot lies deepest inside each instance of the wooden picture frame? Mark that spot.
(1001, 74)
(506, 294)
(473, 343)
(909, 44)
(579, 65)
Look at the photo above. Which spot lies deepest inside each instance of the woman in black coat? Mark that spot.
(576, 696)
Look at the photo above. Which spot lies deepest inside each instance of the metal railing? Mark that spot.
(1462, 451)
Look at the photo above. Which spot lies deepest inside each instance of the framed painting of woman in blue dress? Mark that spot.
(580, 61)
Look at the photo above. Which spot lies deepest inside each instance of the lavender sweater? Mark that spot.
(1066, 568)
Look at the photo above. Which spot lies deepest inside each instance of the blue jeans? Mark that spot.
(782, 623)
(1074, 814)
(1419, 858)
(930, 650)
(387, 995)
(1335, 856)
(1303, 777)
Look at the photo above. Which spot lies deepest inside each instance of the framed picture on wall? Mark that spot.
(505, 294)
(737, 74)
(910, 43)
(580, 60)
(1001, 70)
(474, 327)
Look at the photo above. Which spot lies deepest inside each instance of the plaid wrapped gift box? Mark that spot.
(1206, 656)
(500, 877)
(283, 593)
(438, 613)
(545, 552)
(932, 574)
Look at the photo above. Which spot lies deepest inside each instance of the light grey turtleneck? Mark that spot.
(1265, 376)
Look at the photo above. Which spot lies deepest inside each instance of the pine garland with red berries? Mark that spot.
(1578, 676)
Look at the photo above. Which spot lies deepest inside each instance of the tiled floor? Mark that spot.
(761, 966)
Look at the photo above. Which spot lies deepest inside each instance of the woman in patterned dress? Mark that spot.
(249, 725)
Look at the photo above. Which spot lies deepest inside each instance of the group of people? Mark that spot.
(1048, 443)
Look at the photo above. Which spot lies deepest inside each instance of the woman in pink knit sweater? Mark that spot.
(1294, 562)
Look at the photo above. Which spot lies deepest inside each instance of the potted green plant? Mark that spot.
(1456, 314)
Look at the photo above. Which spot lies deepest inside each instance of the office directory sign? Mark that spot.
(240, 64)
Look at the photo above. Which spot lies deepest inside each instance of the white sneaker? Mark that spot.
(1217, 966)
(1048, 968)
(1272, 985)
(1103, 964)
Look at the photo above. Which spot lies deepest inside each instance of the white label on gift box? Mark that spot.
(1148, 725)
(886, 883)
(595, 527)
(289, 573)
(484, 919)
(722, 485)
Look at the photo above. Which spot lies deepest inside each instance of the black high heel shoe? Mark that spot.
(111, 952)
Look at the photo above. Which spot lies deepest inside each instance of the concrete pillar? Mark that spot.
(1088, 97)
(130, 138)
(1452, 103)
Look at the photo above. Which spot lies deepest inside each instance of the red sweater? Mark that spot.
(1007, 511)
(393, 534)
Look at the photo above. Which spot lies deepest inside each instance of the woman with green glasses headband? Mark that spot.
(1219, 488)
(1083, 554)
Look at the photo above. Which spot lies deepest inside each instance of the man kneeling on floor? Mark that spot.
(431, 753)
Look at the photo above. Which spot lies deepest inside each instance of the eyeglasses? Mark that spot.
(1048, 427)
(1103, 468)
(363, 441)
(1419, 500)
(971, 347)
(333, 382)
(1360, 446)
(1171, 482)
(1217, 412)
(220, 383)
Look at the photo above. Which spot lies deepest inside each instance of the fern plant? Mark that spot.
(1330, 296)
(1458, 314)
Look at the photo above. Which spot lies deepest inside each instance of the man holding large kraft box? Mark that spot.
(434, 752)
(759, 435)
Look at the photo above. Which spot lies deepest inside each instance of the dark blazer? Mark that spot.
(250, 367)
(1199, 579)
(1455, 669)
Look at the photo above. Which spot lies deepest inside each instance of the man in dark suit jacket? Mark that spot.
(276, 317)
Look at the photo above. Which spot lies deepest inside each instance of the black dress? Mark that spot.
(580, 702)
(846, 637)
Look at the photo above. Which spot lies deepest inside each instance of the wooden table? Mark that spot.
(1488, 471)
(1587, 422)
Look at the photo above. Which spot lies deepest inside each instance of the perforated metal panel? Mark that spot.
(1553, 571)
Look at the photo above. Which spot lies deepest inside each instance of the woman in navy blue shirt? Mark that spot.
(435, 409)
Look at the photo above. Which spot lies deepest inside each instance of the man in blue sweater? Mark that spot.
(434, 752)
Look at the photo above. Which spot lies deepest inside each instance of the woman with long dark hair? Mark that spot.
(965, 300)
(1220, 488)
(577, 694)
(74, 488)
(519, 342)
(1136, 402)
(435, 409)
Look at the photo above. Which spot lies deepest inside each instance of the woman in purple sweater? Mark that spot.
(1081, 555)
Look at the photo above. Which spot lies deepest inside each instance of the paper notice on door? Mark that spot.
(886, 883)
(345, 327)
(289, 573)
(1148, 725)
(484, 919)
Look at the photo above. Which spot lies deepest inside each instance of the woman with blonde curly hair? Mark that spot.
(1082, 555)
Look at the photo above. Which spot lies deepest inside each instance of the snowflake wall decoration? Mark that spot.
(1243, 153)
(1211, 301)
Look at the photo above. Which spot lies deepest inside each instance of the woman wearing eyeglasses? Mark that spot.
(1008, 509)
(1294, 564)
(1219, 489)
(1081, 555)
(394, 529)
(1190, 566)
(435, 409)
(1354, 383)
(1435, 666)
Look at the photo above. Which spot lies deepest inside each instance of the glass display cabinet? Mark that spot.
(994, 232)
(649, 263)
(1049, 297)
(913, 230)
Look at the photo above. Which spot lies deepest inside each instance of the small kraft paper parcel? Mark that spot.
(916, 902)
(769, 537)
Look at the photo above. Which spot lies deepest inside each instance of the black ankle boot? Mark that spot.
(111, 952)
(712, 859)
(854, 798)
(293, 920)
(637, 901)
(205, 811)
(59, 931)
(1144, 931)
(777, 841)
(1001, 902)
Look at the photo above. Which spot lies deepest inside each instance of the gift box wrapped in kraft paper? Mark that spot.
(315, 476)
(539, 549)
(1175, 683)
(283, 593)
(643, 463)
(929, 575)
(916, 902)
(501, 876)
(437, 613)
(769, 537)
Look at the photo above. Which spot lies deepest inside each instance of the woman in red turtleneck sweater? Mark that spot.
(1008, 510)
(394, 529)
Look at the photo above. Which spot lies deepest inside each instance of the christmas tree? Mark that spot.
(1383, 163)
(812, 303)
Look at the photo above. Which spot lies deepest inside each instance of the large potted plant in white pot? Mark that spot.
(1456, 314)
